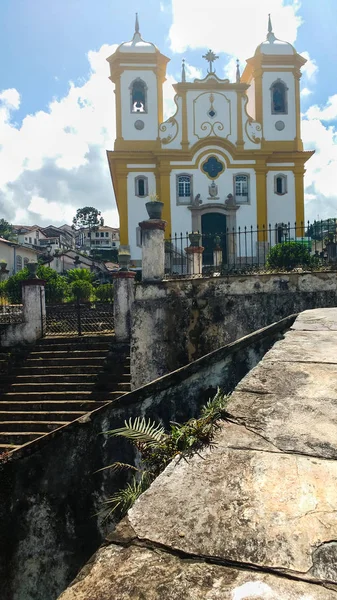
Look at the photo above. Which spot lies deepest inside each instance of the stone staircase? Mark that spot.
(59, 380)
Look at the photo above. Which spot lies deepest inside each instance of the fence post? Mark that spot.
(153, 249)
(34, 315)
(194, 263)
(123, 300)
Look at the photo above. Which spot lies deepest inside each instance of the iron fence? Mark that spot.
(246, 249)
(80, 317)
(10, 313)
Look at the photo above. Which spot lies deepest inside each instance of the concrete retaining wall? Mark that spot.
(177, 321)
(50, 493)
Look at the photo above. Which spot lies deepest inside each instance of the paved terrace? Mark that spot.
(254, 517)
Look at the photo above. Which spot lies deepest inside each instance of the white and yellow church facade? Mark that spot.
(230, 157)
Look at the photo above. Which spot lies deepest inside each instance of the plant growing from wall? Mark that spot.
(289, 255)
(157, 448)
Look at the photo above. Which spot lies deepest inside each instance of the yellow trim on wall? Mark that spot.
(261, 201)
(163, 190)
(299, 197)
(240, 141)
(184, 117)
(122, 205)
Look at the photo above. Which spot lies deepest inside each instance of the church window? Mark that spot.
(141, 186)
(184, 189)
(138, 96)
(280, 184)
(279, 98)
(241, 188)
(18, 262)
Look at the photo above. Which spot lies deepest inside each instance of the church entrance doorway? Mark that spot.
(213, 224)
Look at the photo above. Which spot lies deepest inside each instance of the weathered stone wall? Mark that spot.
(34, 314)
(50, 492)
(253, 517)
(175, 322)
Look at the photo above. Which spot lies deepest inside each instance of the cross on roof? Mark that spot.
(210, 57)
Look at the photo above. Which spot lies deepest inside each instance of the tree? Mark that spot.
(87, 218)
(6, 230)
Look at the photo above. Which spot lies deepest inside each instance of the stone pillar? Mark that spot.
(4, 273)
(123, 301)
(34, 315)
(217, 257)
(194, 260)
(153, 249)
(262, 249)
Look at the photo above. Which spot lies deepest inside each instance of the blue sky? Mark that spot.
(57, 107)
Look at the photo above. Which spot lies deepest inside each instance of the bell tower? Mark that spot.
(274, 73)
(138, 70)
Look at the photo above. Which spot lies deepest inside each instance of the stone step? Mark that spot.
(58, 387)
(44, 377)
(59, 396)
(58, 370)
(19, 437)
(53, 406)
(77, 340)
(66, 347)
(66, 362)
(4, 448)
(76, 353)
(33, 426)
(65, 416)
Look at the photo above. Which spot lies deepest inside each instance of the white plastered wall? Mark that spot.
(181, 215)
(251, 99)
(201, 126)
(269, 120)
(281, 208)
(136, 209)
(150, 118)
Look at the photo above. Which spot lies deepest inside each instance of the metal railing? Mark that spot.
(10, 313)
(246, 249)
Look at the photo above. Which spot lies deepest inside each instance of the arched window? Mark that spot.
(241, 188)
(279, 105)
(184, 189)
(280, 184)
(18, 262)
(138, 96)
(141, 186)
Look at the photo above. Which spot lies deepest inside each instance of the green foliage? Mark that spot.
(104, 292)
(2, 289)
(158, 448)
(87, 217)
(57, 288)
(80, 275)
(6, 230)
(81, 290)
(289, 255)
(12, 287)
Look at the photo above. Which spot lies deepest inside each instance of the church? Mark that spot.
(230, 157)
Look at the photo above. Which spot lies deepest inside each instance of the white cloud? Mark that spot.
(236, 30)
(192, 72)
(306, 92)
(320, 178)
(327, 113)
(56, 160)
(310, 69)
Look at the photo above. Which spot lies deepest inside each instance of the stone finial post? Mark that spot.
(194, 260)
(34, 315)
(123, 300)
(153, 249)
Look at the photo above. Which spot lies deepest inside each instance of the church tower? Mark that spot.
(273, 74)
(138, 70)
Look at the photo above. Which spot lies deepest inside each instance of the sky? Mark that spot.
(57, 112)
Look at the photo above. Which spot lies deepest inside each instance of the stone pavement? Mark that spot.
(254, 517)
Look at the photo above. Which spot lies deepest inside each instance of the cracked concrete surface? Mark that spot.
(255, 517)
